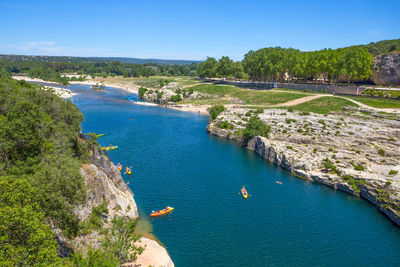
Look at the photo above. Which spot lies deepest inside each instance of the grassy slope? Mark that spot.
(324, 104)
(252, 97)
(377, 102)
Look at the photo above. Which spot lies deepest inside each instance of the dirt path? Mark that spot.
(298, 101)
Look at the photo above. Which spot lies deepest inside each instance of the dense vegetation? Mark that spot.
(40, 182)
(381, 47)
(256, 127)
(16, 58)
(280, 64)
(53, 70)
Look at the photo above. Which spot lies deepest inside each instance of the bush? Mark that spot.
(120, 241)
(225, 125)
(359, 168)
(141, 92)
(215, 111)
(176, 98)
(255, 127)
(393, 172)
(381, 152)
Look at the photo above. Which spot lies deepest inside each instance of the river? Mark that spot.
(175, 162)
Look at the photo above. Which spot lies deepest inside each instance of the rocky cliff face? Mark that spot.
(104, 182)
(386, 69)
(362, 149)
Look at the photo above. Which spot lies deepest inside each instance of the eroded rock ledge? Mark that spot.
(362, 148)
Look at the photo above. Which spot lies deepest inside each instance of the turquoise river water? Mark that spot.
(175, 162)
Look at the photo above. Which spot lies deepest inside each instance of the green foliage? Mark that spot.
(225, 125)
(354, 183)
(359, 167)
(120, 242)
(215, 111)
(381, 47)
(24, 238)
(288, 121)
(141, 92)
(95, 220)
(93, 258)
(255, 127)
(393, 172)
(50, 68)
(40, 159)
(381, 152)
(176, 98)
(208, 68)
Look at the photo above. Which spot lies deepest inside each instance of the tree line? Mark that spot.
(287, 64)
(52, 71)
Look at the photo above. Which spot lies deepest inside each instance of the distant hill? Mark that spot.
(381, 47)
(19, 58)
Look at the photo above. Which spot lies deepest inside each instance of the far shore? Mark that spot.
(129, 87)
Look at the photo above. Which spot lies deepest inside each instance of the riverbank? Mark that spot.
(61, 92)
(354, 150)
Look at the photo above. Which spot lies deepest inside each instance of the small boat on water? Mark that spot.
(108, 148)
(161, 212)
(99, 135)
(128, 170)
(278, 182)
(244, 192)
(119, 166)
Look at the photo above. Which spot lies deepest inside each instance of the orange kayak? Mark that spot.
(244, 192)
(161, 212)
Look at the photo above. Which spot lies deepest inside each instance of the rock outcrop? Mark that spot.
(356, 151)
(386, 69)
(104, 183)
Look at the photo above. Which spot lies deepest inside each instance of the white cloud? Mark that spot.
(39, 45)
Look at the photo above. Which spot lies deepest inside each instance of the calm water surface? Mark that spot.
(175, 162)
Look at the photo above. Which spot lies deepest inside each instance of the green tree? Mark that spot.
(208, 68)
(255, 127)
(225, 67)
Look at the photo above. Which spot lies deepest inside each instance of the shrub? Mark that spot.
(290, 109)
(255, 127)
(215, 111)
(259, 111)
(289, 147)
(288, 121)
(225, 125)
(359, 167)
(393, 172)
(176, 98)
(322, 122)
(315, 150)
(141, 92)
(381, 152)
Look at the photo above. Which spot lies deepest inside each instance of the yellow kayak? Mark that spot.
(161, 212)
(119, 166)
(244, 192)
(128, 170)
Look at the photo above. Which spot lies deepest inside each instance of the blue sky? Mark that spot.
(190, 29)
